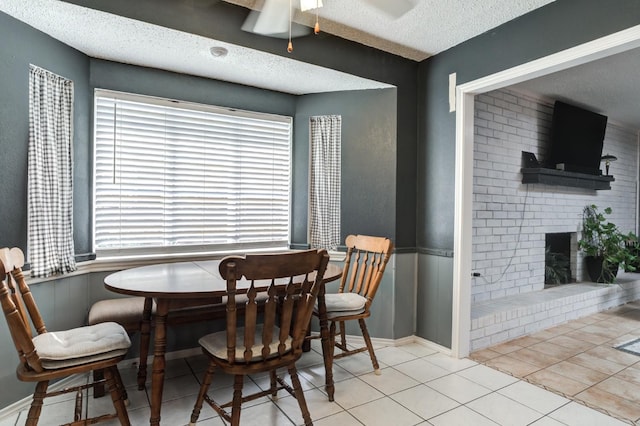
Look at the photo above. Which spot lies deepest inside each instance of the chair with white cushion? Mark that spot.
(60, 354)
(129, 312)
(364, 266)
(284, 287)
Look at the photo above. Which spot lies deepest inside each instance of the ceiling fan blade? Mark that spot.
(395, 8)
(272, 19)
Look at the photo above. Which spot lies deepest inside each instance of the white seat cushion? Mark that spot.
(216, 344)
(343, 304)
(81, 345)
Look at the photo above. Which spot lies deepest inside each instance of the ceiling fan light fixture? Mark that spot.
(310, 4)
(274, 20)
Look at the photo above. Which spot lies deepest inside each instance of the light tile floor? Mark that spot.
(577, 360)
(418, 386)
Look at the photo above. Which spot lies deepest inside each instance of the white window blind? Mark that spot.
(174, 176)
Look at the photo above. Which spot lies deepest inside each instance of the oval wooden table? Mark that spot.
(197, 283)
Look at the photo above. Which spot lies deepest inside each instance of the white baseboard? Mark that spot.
(17, 406)
(428, 343)
(357, 340)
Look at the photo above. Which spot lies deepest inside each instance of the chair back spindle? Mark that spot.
(278, 292)
(365, 263)
(279, 302)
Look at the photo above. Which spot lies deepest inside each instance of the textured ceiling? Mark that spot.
(609, 86)
(430, 27)
(107, 36)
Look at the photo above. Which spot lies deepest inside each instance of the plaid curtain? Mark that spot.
(50, 173)
(325, 182)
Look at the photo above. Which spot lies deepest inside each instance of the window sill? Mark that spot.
(337, 256)
(118, 263)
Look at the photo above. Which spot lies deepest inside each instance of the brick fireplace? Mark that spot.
(511, 221)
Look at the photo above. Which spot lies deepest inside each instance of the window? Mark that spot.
(176, 176)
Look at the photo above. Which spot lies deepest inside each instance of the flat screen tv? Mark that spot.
(576, 139)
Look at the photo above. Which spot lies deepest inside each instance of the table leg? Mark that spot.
(145, 337)
(157, 376)
(327, 347)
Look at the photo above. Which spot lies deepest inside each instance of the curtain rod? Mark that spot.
(49, 72)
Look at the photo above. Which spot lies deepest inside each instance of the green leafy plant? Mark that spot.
(634, 248)
(603, 241)
(557, 268)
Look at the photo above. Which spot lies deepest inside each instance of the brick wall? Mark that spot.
(510, 218)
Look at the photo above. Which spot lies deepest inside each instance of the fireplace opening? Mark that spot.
(557, 259)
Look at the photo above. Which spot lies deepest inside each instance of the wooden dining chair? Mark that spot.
(364, 266)
(284, 287)
(60, 354)
(136, 314)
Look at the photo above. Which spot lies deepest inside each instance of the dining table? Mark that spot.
(188, 284)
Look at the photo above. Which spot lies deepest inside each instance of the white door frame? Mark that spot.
(465, 93)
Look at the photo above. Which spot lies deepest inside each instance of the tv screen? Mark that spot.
(576, 139)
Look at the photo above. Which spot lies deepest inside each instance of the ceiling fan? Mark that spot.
(275, 18)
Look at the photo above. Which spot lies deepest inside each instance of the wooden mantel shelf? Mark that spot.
(564, 178)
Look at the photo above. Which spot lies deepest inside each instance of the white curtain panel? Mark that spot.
(50, 173)
(325, 182)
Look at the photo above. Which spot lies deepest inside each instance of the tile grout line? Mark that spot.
(557, 392)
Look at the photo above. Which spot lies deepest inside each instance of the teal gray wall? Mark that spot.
(20, 46)
(555, 27)
(93, 73)
(404, 301)
(65, 302)
(222, 21)
(369, 152)
(434, 298)
(425, 132)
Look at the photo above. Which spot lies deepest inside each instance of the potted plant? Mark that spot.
(605, 246)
